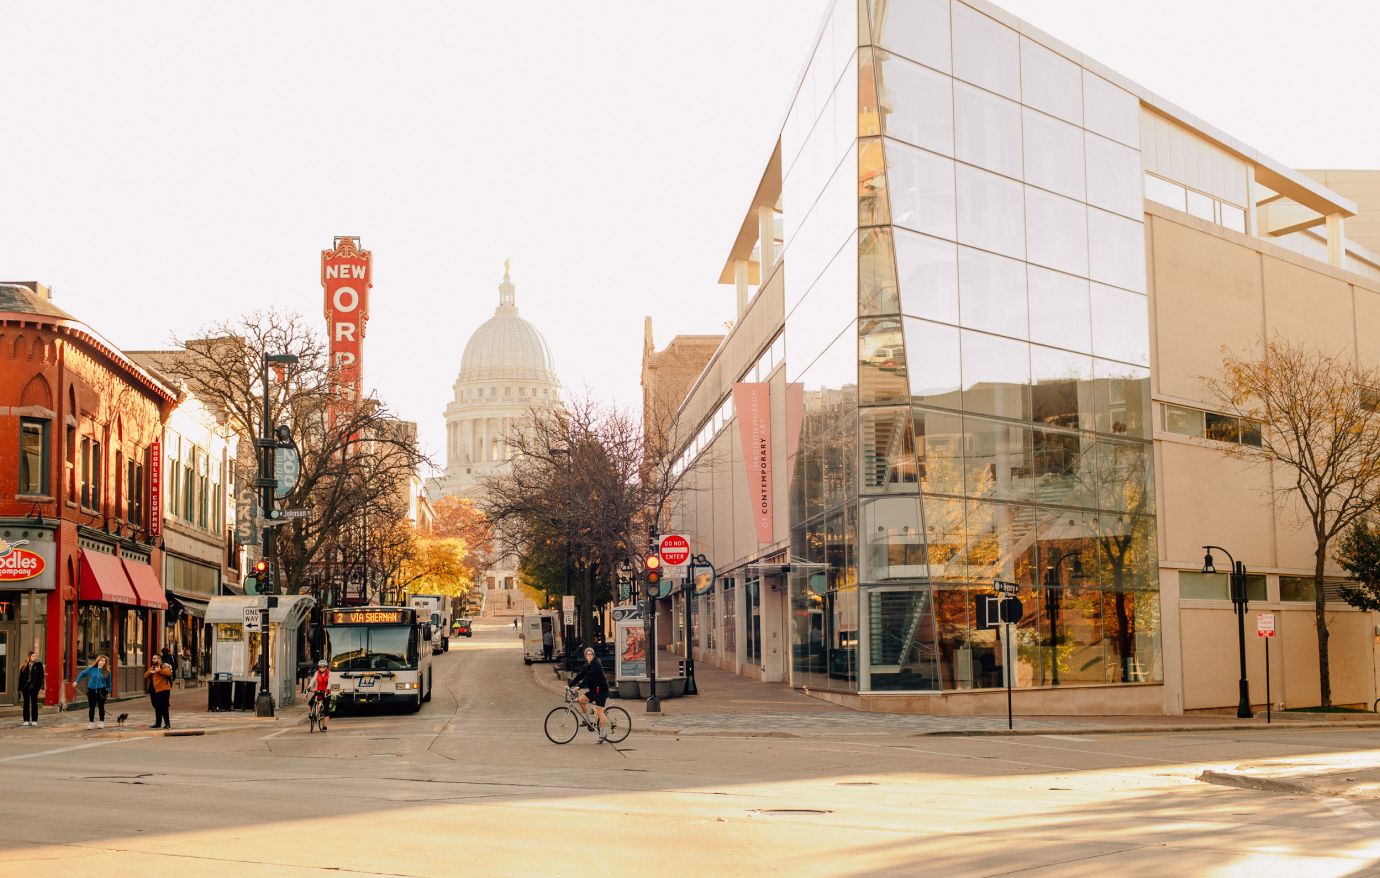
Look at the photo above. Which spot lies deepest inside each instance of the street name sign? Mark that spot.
(1003, 587)
(674, 550)
(291, 513)
(1265, 625)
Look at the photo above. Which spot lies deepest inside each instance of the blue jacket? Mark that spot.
(100, 678)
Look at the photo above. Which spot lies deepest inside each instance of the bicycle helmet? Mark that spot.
(321, 664)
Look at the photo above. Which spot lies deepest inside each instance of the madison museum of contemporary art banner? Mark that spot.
(752, 404)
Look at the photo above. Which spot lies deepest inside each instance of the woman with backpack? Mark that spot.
(30, 685)
(97, 677)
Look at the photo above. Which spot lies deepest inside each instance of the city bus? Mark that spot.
(379, 655)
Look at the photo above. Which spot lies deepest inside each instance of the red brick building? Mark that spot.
(79, 430)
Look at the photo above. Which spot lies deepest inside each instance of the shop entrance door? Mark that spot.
(9, 663)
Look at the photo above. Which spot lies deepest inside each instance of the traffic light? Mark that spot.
(652, 564)
(260, 578)
(260, 567)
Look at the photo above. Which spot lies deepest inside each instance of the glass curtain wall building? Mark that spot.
(967, 343)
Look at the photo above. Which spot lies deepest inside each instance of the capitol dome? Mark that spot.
(506, 346)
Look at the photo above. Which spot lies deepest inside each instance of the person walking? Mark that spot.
(548, 644)
(97, 677)
(159, 677)
(30, 685)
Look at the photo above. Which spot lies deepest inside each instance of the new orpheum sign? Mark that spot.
(752, 403)
(16, 564)
(346, 276)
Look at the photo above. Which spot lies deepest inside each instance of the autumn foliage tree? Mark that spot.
(1320, 433)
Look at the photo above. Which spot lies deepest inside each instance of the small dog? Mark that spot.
(120, 720)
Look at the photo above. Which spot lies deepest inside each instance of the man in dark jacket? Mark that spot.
(591, 677)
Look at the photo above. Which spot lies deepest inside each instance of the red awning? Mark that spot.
(146, 585)
(101, 578)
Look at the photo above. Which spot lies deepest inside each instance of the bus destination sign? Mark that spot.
(370, 616)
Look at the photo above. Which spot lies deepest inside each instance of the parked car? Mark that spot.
(463, 628)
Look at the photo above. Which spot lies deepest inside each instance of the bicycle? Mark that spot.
(563, 723)
(317, 709)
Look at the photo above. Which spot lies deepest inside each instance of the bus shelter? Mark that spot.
(237, 644)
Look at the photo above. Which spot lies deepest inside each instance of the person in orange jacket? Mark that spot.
(159, 682)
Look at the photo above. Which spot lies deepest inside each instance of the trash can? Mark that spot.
(245, 693)
(220, 693)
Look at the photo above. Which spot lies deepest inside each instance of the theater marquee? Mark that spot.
(346, 276)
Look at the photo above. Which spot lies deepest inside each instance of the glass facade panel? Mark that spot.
(1233, 218)
(895, 548)
(992, 295)
(1054, 155)
(1050, 82)
(918, 29)
(945, 525)
(1122, 399)
(987, 130)
(888, 451)
(1110, 111)
(1201, 206)
(936, 378)
(1131, 622)
(881, 361)
(1116, 250)
(1121, 325)
(991, 213)
(877, 293)
(1060, 310)
(996, 375)
(920, 186)
(997, 460)
(1061, 391)
(831, 304)
(1165, 192)
(939, 446)
(914, 104)
(985, 52)
(874, 207)
(929, 276)
(1195, 586)
(903, 654)
(1114, 177)
(1056, 231)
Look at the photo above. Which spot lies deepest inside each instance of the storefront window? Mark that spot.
(33, 456)
(730, 618)
(132, 642)
(753, 628)
(94, 629)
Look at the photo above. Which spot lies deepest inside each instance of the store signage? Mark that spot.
(16, 564)
(752, 403)
(370, 616)
(674, 550)
(247, 517)
(346, 276)
(1265, 625)
(155, 505)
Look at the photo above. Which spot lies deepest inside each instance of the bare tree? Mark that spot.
(1320, 431)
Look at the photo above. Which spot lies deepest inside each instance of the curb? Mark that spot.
(1265, 784)
(741, 732)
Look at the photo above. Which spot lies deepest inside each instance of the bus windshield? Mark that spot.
(369, 647)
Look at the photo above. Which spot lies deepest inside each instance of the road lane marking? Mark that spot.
(55, 752)
(275, 734)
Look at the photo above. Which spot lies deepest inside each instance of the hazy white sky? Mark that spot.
(164, 165)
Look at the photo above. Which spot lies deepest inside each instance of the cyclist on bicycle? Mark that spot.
(321, 690)
(591, 678)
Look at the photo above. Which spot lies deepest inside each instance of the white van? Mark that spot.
(532, 627)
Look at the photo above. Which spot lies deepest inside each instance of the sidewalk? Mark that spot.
(187, 710)
(732, 705)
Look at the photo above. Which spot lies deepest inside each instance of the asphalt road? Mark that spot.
(471, 786)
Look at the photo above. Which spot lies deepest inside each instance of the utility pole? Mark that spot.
(267, 482)
(649, 619)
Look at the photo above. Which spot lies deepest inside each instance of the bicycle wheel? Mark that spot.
(562, 725)
(313, 719)
(619, 724)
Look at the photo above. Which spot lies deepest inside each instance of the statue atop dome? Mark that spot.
(506, 290)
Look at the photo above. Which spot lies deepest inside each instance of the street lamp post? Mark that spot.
(695, 561)
(1054, 599)
(568, 454)
(1239, 602)
(267, 482)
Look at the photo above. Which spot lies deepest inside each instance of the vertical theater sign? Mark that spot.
(346, 275)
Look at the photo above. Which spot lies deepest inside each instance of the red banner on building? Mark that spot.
(155, 504)
(346, 276)
(752, 404)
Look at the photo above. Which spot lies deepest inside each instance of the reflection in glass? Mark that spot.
(902, 650)
(1061, 390)
(997, 460)
(929, 276)
(1132, 624)
(915, 104)
(881, 361)
(936, 376)
(1060, 310)
(945, 524)
(991, 212)
(1123, 476)
(917, 29)
(1061, 475)
(1053, 154)
(1051, 82)
(873, 206)
(939, 446)
(830, 305)
(876, 276)
(920, 186)
(1122, 401)
(1121, 325)
(951, 616)
(888, 451)
(987, 130)
(1056, 231)
(1116, 250)
(895, 549)
(996, 375)
(992, 293)
(1000, 542)
(985, 52)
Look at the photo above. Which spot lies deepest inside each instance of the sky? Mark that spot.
(167, 165)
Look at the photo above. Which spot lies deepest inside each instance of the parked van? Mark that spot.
(532, 627)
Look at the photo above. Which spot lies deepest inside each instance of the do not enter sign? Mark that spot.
(674, 550)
